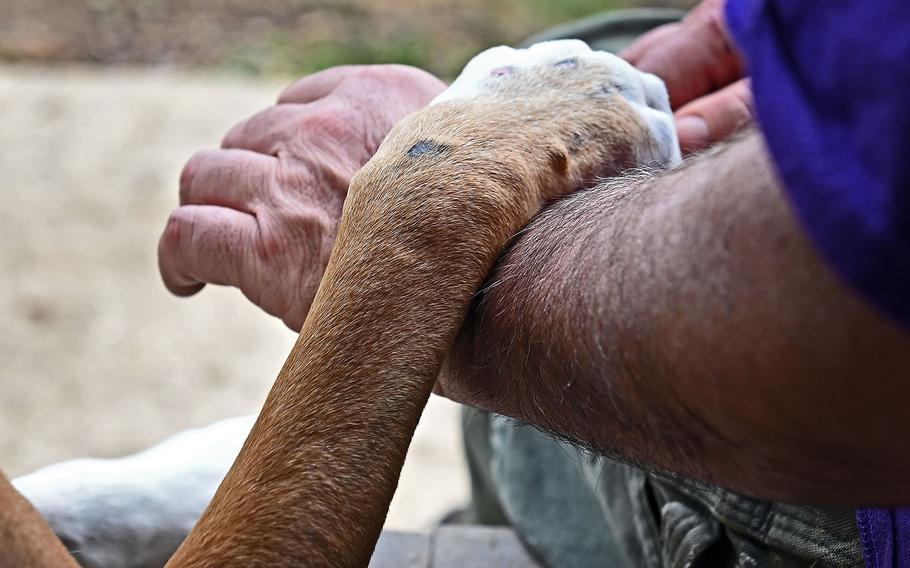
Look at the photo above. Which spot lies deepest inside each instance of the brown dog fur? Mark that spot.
(25, 538)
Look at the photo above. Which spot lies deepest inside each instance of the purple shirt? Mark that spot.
(831, 81)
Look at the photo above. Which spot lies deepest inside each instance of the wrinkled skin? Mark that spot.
(261, 212)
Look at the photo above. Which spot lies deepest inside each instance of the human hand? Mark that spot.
(703, 72)
(261, 212)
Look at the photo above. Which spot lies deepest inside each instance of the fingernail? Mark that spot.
(693, 132)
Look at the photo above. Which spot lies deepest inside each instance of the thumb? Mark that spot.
(712, 118)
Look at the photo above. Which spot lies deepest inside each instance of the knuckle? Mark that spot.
(272, 246)
(299, 239)
(188, 174)
(178, 230)
(743, 96)
(260, 126)
(735, 109)
(389, 72)
(374, 73)
(403, 77)
(332, 122)
(288, 94)
(235, 134)
(170, 239)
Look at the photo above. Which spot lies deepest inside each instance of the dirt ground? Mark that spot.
(96, 358)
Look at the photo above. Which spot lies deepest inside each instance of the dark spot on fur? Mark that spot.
(576, 143)
(621, 89)
(651, 101)
(503, 71)
(607, 89)
(630, 92)
(428, 148)
(566, 63)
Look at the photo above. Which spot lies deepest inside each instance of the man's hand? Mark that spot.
(703, 72)
(261, 213)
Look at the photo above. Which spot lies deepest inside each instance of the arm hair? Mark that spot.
(683, 321)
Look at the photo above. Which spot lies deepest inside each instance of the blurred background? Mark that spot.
(279, 37)
(101, 103)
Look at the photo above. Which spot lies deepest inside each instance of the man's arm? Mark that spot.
(684, 321)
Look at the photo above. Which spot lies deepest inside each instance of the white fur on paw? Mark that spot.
(646, 93)
(135, 511)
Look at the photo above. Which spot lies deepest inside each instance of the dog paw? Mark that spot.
(571, 73)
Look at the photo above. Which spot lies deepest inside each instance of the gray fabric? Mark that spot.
(571, 509)
(612, 30)
(550, 504)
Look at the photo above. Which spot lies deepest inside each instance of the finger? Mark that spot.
(205, 244)
(639, 48)
(695, 58)
(316, 86)
(710, 119)
(228, 178)
(264, 131)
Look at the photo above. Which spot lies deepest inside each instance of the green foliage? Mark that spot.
(437, 39)
(280, 54)
(560, 11)
(283, 37)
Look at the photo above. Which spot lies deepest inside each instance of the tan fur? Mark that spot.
(25, 538)
(422, 226)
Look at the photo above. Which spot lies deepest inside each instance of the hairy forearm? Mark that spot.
(683, 321)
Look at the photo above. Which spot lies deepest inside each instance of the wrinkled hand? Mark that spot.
(261, 213)
(704, 74)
